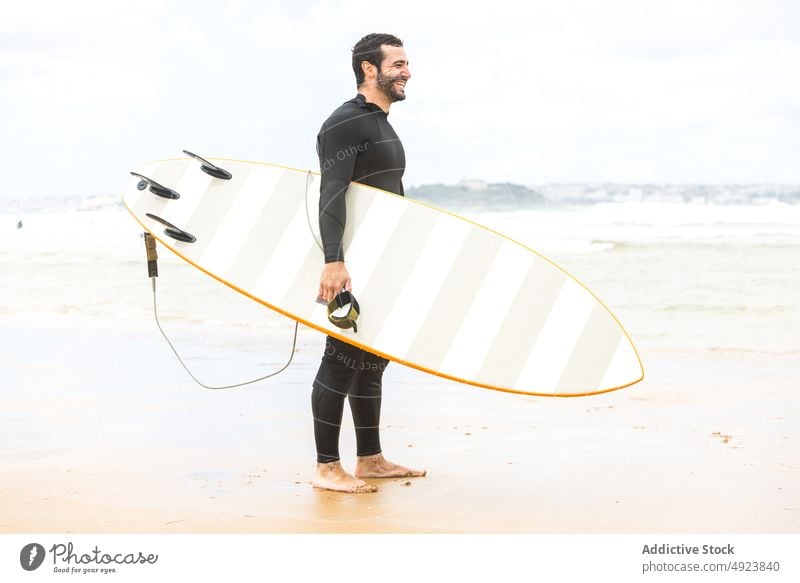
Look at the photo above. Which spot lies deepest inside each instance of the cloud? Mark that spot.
(557, 91)
(188, 31)
(85, 81)
(54, 16)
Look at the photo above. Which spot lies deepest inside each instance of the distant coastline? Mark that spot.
(478, 195)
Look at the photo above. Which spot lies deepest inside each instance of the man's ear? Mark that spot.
(366, 66)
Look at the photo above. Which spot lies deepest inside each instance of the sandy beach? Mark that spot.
(102, 431)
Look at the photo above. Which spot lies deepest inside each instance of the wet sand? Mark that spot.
(101, 431)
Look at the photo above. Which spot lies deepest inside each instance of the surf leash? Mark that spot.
(342, 299)
(152, 273)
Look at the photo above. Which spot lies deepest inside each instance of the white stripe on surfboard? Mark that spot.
(560, 333)
(287, 259)
(369, 242)
(192, 187)
(319, 316)
(240, 218)
(623, 368)
(473, 341)
(422, 286)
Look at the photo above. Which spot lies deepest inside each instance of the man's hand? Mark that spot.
(334, 278)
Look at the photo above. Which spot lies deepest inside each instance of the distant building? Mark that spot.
(474, 185)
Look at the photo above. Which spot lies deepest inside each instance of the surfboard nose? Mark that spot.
(625, 367)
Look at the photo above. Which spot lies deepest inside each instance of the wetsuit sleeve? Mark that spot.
(337, 145)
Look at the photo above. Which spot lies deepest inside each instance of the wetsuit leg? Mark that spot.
(365, 403)
(335, 378)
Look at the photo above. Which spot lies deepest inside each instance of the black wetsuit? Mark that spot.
(356, 143)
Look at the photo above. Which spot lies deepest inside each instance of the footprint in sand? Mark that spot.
(722, 436)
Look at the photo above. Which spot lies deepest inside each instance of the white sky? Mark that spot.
(531, 92)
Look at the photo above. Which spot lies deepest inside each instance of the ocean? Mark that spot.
(680, 276)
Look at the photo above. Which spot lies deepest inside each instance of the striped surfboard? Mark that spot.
(437, 292)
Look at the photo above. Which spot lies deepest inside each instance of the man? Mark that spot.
(356, 143)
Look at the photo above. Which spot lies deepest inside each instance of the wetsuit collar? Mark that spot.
(362, 102)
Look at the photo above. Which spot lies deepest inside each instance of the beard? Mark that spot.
(388, 88)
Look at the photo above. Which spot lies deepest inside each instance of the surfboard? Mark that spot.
(437, 292)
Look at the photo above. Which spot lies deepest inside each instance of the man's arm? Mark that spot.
(337, 145)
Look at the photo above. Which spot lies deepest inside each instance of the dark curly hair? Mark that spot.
(369, 49)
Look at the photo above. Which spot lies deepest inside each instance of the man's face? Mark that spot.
(393, 73)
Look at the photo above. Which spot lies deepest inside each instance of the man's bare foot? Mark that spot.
(331, 476)
(376, 466)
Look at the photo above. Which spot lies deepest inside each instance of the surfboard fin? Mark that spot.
(172, 231)
(209, 168)
(155, 187)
